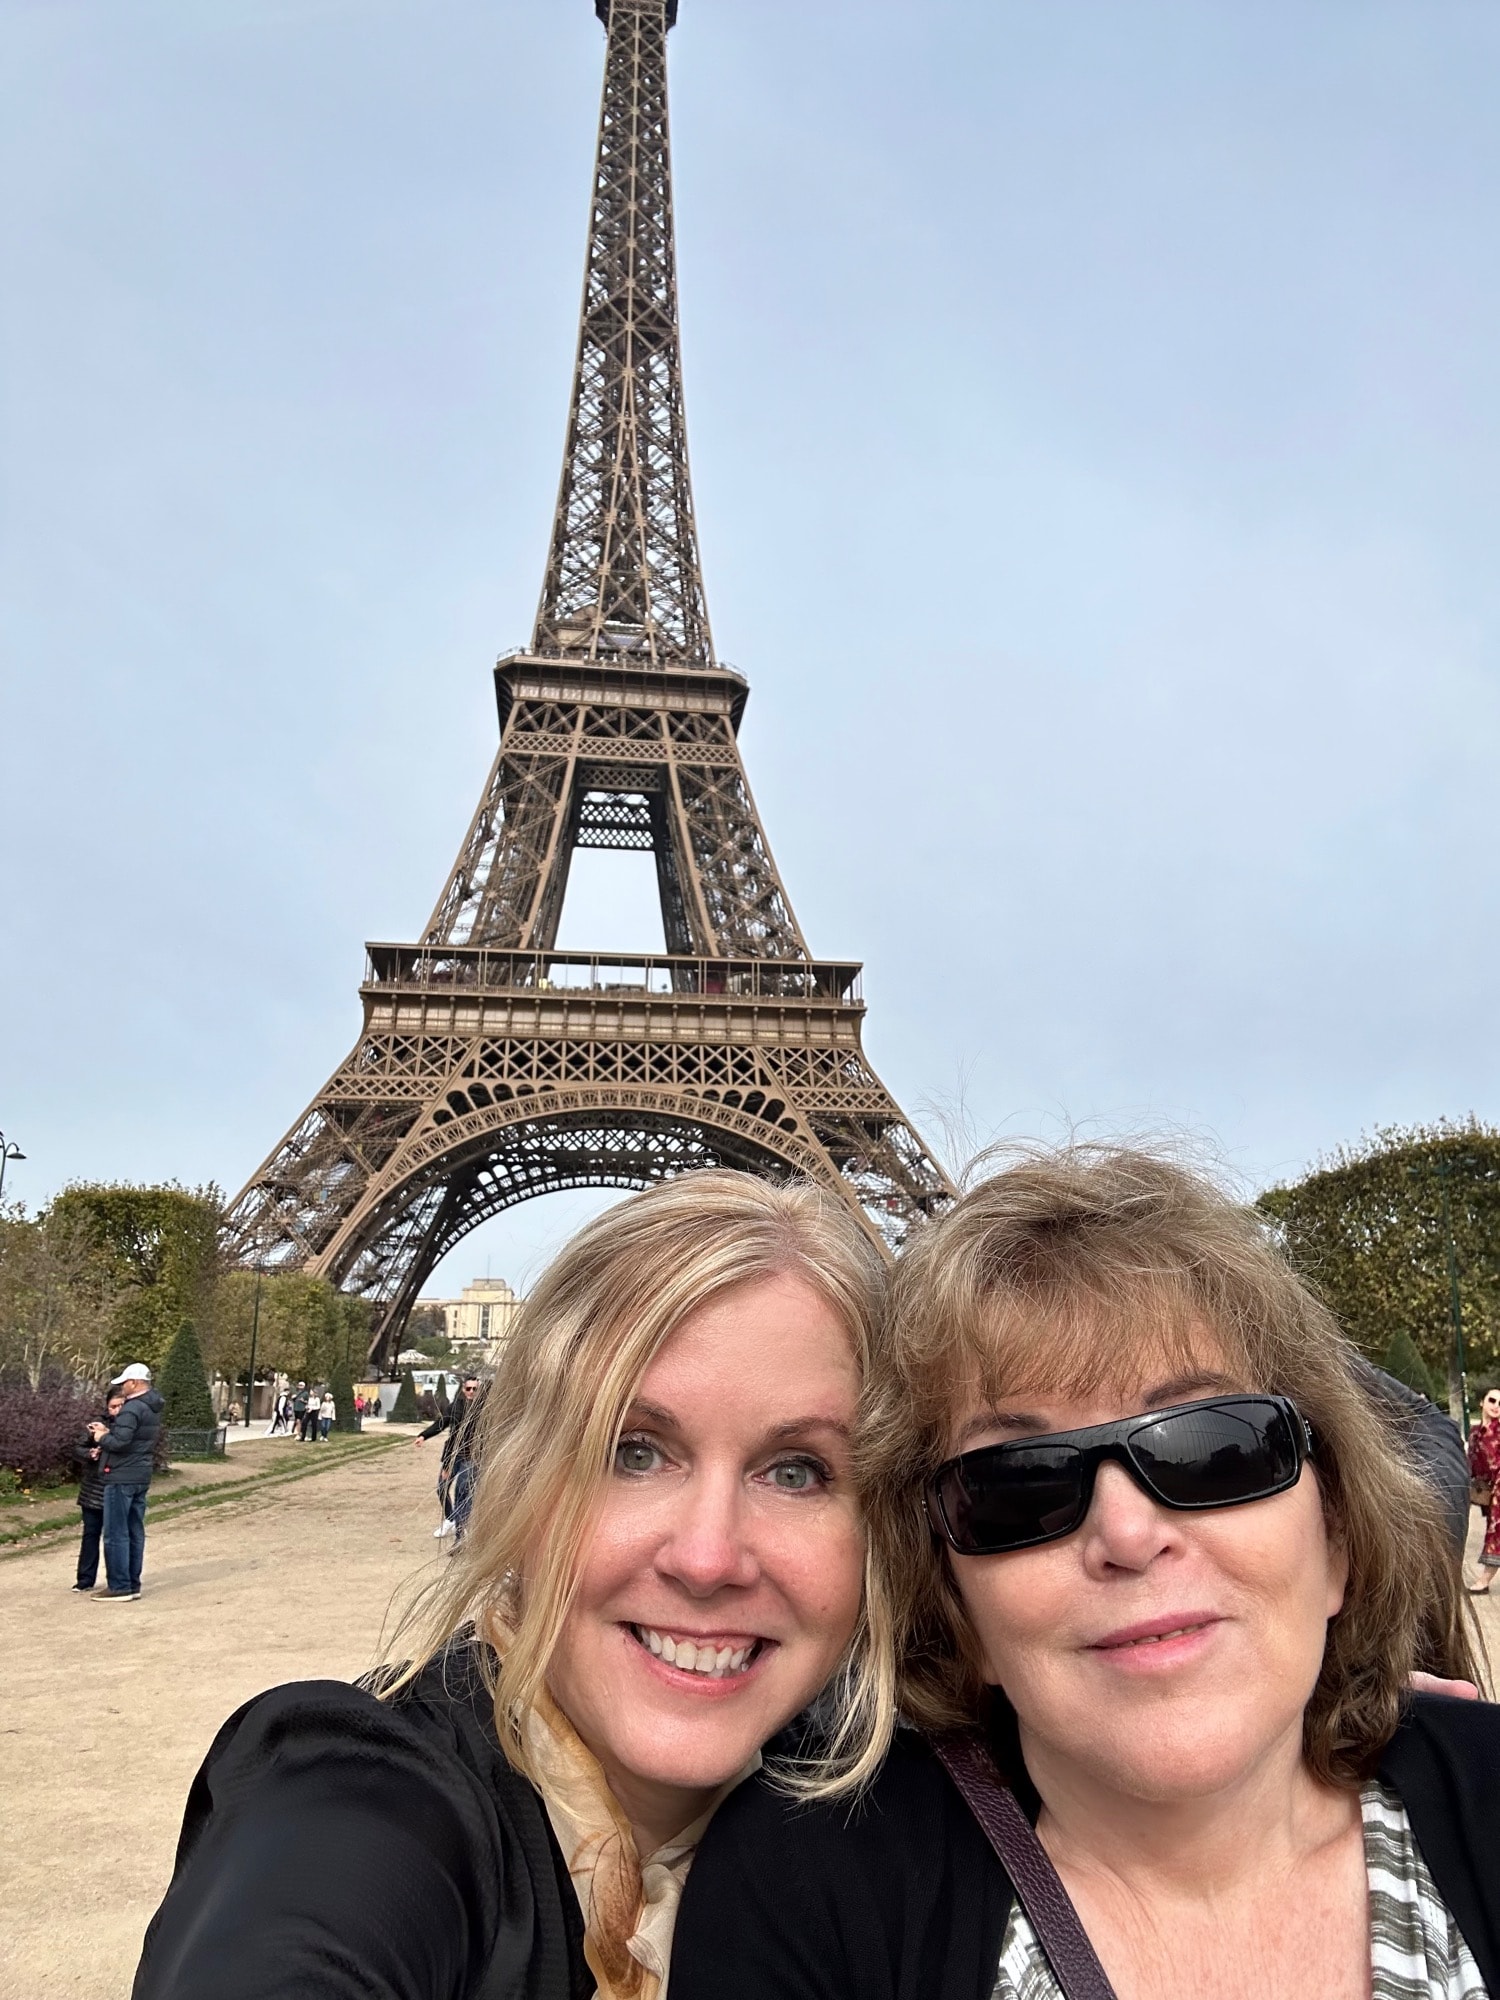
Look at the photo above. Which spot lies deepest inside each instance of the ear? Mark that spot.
(1337, 1562)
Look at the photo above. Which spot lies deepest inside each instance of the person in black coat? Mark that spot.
(91, 1470)
(1165, 1571)
(458, 1426)
(665, 1564)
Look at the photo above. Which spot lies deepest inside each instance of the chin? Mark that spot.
(1181, 1763)
(696, 1759)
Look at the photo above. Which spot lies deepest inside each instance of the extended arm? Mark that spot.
(327, 1852)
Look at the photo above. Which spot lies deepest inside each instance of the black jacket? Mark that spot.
(902, 1898)
(90, 1469)
(1436, 1444)
(457, 1430)
(337, 1847)
(131, 1442)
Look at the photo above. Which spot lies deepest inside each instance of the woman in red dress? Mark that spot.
(1484, 1470)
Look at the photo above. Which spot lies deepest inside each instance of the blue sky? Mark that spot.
(1094, 413)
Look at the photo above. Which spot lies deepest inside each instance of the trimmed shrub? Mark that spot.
(184, 1384)
(341, 1388)
(39, 1426)
(1404, 1362)
(404, 1410)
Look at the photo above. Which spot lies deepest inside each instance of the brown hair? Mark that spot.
(597, 1318)
(1081, 1267)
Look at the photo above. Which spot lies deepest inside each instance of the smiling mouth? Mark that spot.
(690, 1656)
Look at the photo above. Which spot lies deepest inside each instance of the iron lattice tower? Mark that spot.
(492, 1066)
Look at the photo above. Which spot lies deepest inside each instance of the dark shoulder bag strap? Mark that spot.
(1024, 1859)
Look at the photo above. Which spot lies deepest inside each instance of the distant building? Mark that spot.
(478, 1323)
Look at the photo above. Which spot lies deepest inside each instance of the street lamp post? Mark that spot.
(254, 1336)
(1441, 1165)
(8, 1151)
(1455, 1302)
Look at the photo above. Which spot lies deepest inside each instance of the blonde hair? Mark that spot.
(1084, 1267)
(552, 1419)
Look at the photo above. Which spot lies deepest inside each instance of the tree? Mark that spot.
(404, 1409)
(57, 1298)
(1372, 1229)
(1404, 1362)
(306, 1325)
(184, 1384)
(159, 1247)
(341, 1387)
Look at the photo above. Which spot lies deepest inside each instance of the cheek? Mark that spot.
(818, 1567)
(1016, 1604)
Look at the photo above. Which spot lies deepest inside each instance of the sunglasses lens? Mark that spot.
(1215, 1456)
(1015, 1494)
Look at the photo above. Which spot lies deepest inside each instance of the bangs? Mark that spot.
(1069, 1341)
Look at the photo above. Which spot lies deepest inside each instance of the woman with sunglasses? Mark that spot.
(665, 1562)
(1162, 1568)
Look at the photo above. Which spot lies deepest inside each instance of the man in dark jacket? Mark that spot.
(127, 1448)
(91, 1494)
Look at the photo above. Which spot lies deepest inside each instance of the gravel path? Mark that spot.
(122, 1700)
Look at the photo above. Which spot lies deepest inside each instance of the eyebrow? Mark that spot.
(664, 1419)
(1178, 1389)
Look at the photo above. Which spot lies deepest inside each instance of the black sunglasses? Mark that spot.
(1217, 1453)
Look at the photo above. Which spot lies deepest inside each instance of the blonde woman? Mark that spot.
(665, 1563)
(1161, 1561)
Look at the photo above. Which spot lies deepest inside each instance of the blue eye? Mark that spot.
(797, 1475)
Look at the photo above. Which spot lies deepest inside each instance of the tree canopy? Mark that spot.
(159, 1250)
(1368, 1228)
(307, 1326)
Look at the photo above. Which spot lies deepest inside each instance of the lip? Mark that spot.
(1147, 1644)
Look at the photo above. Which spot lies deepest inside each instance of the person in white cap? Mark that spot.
(126, 1449)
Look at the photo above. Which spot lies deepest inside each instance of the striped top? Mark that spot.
(1416, 1949)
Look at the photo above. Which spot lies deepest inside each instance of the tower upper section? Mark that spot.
(624, 582)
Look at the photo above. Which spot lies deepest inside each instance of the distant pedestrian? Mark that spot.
(300, 1404)
(328, 1409)
(1484, 1471)
(456, 1480)
(91, 1495)
(127, 1448)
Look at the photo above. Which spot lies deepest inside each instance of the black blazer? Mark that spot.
(337, 1847)
(901, 1897)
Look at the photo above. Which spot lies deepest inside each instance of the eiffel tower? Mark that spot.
(493, 1066)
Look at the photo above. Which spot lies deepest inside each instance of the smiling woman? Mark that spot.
(1161, 1561)
(665, 1562)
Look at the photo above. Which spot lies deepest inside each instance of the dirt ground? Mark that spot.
(292, 1583)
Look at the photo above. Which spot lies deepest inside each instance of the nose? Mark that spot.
(1125, 1527)
(707, 1545)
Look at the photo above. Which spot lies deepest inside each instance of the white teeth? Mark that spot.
(686, 1655)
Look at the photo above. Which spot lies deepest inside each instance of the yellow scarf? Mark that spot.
(629, 1905)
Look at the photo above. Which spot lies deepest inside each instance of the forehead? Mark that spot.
(769, 1344)
(1088, 1350)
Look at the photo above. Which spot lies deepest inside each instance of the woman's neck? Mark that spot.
(1256, 1828)
(657, 1813)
